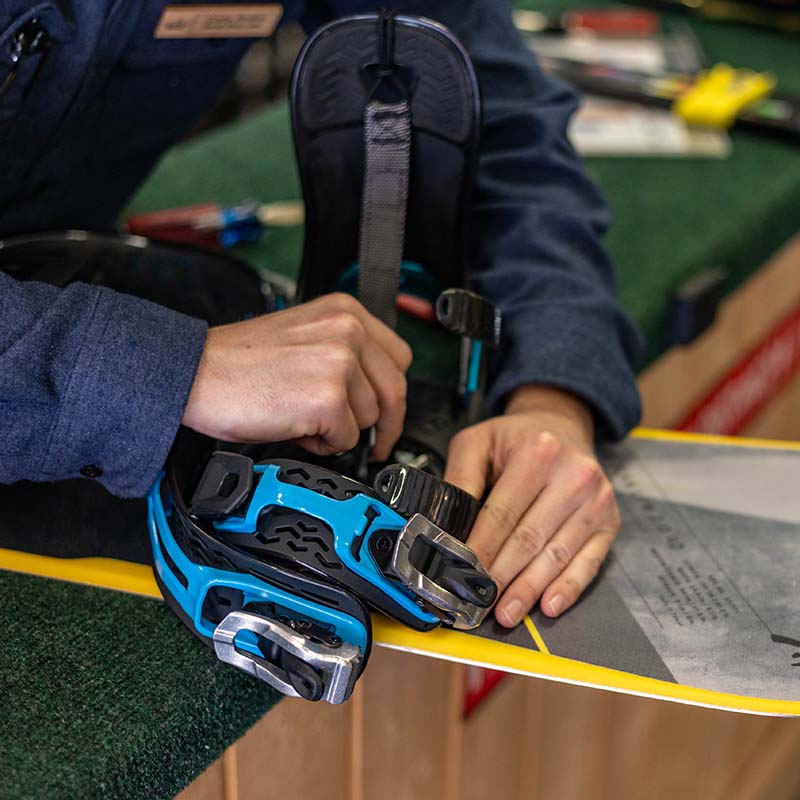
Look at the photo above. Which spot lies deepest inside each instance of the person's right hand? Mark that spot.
(317, 374)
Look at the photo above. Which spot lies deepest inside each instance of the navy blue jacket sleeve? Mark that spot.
(91, 378)
(538, 225)
(537, 231)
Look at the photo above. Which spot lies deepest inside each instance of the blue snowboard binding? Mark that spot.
(275, 561)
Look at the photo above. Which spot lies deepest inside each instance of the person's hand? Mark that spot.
(317, 374)
(550, 517)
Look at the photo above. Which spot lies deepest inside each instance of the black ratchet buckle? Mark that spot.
(430, 557)
(292, 664)
(444, 572)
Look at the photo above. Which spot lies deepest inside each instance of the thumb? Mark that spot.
(469, 460)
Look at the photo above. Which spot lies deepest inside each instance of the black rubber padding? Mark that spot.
(330, 88)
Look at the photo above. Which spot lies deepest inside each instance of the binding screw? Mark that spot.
(383, 544)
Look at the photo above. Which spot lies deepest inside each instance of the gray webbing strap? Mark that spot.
(387, 160)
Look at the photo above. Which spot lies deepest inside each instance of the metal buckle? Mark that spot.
(465, 615)
(338, 670)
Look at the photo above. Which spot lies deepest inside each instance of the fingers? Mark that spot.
(566, 560)
(363, 399)
(469, 460)
(341, 434)
(388, 385)
(564, 591)
(524, 476)
(534, 533)
(377, 390)
(381, 334)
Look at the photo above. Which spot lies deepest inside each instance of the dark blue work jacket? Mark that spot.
(88, 376)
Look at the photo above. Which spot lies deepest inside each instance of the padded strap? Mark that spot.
(387, 146)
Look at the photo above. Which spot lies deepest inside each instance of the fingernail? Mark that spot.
(556, 604)
(511, 613)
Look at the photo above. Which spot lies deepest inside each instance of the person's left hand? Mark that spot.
(550, 517)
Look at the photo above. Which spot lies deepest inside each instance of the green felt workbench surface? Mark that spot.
(107, 696)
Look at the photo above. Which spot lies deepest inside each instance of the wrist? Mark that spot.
(201, 396)
(537, 399)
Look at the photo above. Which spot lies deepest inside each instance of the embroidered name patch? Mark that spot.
(253, 20)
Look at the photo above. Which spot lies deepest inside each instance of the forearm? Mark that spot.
(91, 378)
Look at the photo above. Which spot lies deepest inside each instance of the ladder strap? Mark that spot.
(387, 146)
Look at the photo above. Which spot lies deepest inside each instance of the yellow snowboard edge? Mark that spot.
(108, 573)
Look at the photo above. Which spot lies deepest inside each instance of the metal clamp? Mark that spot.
(338, 670)
(419, 544)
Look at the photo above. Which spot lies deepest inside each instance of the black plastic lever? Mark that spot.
(468, 314)
(224, 485)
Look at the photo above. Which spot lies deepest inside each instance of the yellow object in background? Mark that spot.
(718, 96)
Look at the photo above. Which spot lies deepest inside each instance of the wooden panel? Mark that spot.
(207, 786)
(407, 704)
(531, 739)
(493, 741)
(683, 376)
(773, 768)
(299, 750)
(571, 742)
(453, 767)
(586, 744)
(781, 419)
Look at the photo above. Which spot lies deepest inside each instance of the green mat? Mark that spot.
(107, 696)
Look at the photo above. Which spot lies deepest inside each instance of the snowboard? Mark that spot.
(698, 602)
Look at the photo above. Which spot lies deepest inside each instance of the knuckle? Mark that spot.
(397, 391)
(334, 399)
(605, 497)
(585, 472)
(460, 439)
(343, 325)
(350, 439)
(571, 587)
(341, 301)
(373, 414)
(342, 358)
(531, 539)
(503, 514)
(406, 355)
(607, 513)
(484, 554)
(593, 564)
(558, 553)
(545, 446)
(530, 587)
